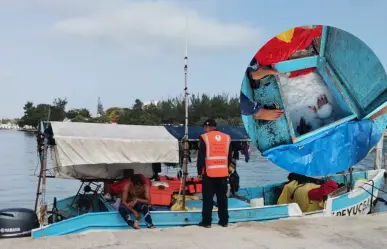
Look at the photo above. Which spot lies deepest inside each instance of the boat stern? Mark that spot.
(359, 201)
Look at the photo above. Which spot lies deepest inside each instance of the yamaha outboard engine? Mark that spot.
(17, 222)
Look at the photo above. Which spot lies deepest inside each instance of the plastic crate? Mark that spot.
(174, 185)
(161, 196)
(173, 182)
(194, 188)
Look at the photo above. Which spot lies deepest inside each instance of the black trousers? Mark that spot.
(211, 187)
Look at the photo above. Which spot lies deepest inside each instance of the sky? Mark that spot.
(122, 50)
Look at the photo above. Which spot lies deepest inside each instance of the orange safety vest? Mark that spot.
(217, 147)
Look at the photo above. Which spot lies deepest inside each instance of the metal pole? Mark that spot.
(43, 206)
(185, 138)
(40, 178)
(38, 188)
(349, 186)
(44, 171)
(385, 164)
(379, 153)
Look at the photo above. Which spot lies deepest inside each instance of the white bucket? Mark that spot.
(257, 202)
(157, 183)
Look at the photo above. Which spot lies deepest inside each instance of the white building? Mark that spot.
(145, 103)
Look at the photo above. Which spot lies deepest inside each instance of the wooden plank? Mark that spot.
(323, 40)
(297, 64)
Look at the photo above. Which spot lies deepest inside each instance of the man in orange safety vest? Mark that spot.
(213, 159)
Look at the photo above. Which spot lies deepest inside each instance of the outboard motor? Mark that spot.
(17, 222)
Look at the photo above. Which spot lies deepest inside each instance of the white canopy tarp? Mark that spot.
(102, 151)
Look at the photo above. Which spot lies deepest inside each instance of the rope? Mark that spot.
(180, 191)
(37, 164)
(180, 188)
(376, 198)
(376, 188)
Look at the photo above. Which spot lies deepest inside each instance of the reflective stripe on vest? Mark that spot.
(216, 161)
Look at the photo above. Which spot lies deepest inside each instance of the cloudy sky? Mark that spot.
(123, 50)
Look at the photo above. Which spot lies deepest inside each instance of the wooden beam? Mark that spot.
(379, 113)
(296, 64)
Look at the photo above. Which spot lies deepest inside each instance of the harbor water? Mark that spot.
(19, 166)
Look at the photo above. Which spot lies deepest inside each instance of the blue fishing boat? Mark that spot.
(96, 153)
(322, 64)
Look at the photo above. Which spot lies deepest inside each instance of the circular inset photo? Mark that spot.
(314, 100)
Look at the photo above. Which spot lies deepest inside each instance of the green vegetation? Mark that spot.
(172, 111)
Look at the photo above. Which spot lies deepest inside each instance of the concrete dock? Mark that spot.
(333, 232)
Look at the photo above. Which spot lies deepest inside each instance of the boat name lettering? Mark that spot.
(357, 209)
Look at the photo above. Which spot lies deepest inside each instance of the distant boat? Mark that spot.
(9, 126)
(28, 128)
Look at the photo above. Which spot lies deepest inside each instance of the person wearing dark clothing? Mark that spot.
(156, 170)
(201, 159)
(214, 156)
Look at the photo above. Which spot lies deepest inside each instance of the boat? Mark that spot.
(336, 64)
(355, 202)
(93, 153)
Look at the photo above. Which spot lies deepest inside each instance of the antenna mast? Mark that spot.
(185, 138)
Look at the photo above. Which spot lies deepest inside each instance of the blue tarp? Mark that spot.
(194, 132)
(333, 151)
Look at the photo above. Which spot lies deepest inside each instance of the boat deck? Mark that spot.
(335, 232)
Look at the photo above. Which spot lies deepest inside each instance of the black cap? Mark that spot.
(209, 122)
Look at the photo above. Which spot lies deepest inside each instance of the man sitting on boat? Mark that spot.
(117, 188)
(136, 200)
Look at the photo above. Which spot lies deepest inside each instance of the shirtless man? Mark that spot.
(136, 200)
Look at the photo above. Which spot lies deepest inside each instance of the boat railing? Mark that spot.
(87, 193)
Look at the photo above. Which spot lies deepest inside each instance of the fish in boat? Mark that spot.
(303, 127)
(353, 85)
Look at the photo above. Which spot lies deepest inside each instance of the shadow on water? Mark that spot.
(19, 163)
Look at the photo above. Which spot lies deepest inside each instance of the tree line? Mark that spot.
(224, 109)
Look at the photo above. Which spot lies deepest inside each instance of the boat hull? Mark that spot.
(355, 202)
(359, 201)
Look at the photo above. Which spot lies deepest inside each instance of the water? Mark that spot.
(19, 162)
